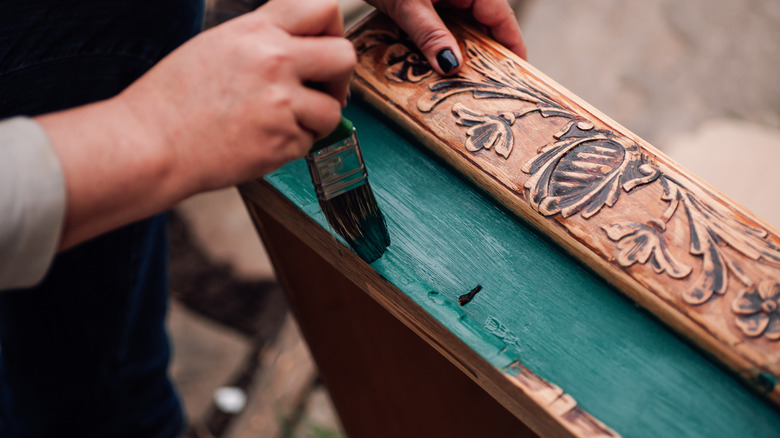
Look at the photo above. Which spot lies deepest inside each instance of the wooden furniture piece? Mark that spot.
(558, 347)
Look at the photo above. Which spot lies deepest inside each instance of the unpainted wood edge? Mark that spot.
(696, 333)
(547, 416)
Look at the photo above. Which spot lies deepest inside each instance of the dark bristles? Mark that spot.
(356, 217)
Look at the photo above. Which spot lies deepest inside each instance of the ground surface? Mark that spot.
(696, 79)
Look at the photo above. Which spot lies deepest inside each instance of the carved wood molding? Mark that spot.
(678, 247)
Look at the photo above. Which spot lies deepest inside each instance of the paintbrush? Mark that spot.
(341, 183)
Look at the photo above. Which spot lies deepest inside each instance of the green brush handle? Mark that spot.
(343, 131)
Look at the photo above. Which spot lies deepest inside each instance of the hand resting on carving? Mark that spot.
(421, 21)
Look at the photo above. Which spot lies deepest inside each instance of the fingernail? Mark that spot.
(447, 60)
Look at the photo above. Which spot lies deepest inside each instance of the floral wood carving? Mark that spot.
(405, 63)
(640, 243)
(757, 307)
(486, 131)
(584, 169)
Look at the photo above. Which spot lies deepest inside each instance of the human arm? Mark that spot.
(228, 106)
(421, 21)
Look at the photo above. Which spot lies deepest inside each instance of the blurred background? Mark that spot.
(699, 80)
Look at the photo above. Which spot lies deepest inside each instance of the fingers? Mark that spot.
(328, 62)
(305, 17)
(421, 21)
(320, 54)
(316, 112)
(499, 17)
(323, 66)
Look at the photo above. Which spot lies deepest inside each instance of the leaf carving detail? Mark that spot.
(640, 243)
(486, 131)
(710, 228)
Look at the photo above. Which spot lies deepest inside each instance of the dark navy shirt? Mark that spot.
(55, 54)
(85, 353)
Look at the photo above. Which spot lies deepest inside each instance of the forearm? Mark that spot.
(230, 105)
(116, 170)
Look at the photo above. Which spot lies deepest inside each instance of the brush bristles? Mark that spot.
(356, 217)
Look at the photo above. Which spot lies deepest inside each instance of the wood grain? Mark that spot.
(384, 379)
(541, 406)
(537, 304)
(668, 240)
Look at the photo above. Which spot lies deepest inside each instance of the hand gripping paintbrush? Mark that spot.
(341, 183)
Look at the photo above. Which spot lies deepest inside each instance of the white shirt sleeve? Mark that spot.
(32, 203)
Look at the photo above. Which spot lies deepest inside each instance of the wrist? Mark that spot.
(117, 170)
(150, 146)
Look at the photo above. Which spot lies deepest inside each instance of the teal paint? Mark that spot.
(537, 304)
(766, 382)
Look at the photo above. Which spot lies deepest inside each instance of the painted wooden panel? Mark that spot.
(537, 307)
(669, 241)
(384, 379)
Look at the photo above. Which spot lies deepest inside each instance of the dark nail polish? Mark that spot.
(447, 60)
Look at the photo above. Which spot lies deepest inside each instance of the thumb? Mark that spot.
(421, 21)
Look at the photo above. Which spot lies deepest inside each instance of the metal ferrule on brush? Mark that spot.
(337, 168)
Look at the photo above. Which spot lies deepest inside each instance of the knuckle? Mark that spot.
(277, 59)
(280, 98)
(428, 38)
(275, 65)
(397, 8)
